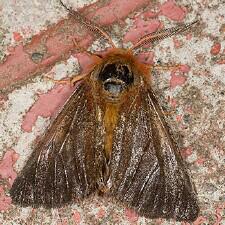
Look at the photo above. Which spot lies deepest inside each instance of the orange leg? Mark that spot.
(71, 81)
(166, 66)
(169, 113)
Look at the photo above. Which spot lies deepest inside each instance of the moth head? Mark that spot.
(116, 77)
(118, 72)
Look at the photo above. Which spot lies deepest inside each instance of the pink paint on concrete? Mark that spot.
(177, 80)
(177, 43)
(184, 68)
(146, 57)
(76, 217)
(86, 62)
(131, 215)
(215, 49)
(189, 37)
(148, 14)
(17, 66)
(141, 28)
(185, 223)
(200, 220)
(3, 99)
(200, 161)
(219, 211)
(172, 102)
(116, 10)
(6, 166)
(101, 213)
(177, 76)
(186, 152)
(5, 201)
(158, 221)
(222, 61)
(47, 105)
(179, 118)
(174, 12)
(63, 221)
(17, 36)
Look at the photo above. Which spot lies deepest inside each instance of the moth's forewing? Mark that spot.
(65, 165)
(147, 171)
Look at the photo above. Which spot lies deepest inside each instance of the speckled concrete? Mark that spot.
(35, 39)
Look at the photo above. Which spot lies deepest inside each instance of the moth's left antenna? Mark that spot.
(88, 24)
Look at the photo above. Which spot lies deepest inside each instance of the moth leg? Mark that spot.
(71, 81)
(78, 78)
(167, 66)
(169, 112)
(66, 81)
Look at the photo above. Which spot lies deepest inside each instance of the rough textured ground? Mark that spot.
(35, 39)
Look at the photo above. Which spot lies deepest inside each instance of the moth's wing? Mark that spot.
(147, 171)
(65, 164)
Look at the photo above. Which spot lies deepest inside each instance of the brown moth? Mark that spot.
(111, 137)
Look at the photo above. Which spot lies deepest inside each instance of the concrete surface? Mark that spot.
(35, 39)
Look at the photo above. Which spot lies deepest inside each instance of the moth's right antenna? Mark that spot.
(162, 34)
(88, 24)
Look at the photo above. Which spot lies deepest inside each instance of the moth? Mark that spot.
(111, 138)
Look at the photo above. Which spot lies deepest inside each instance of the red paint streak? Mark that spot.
(6, 166)
(101, 213)
(17, 36)
(158, 221)
(215, 48)
(3, 99)
(185, 223)
(219, 211)
(140, 29)
(131, 215)
(17, 66)
(86, 62)
(189, 109)
(47, 105)
(148, 14)
(177, 77)
(200, 220)
(200, 161)
(56, 42)
(173, 11)
(146, 57)
(184, 68)
(177, 80)
(172, 101)
(5, 201)
(189, 36)
(116, 10)
(177, 43)
(179, 118)
(76, 217)
(186, 152)
(222, 61)
(63, 221)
